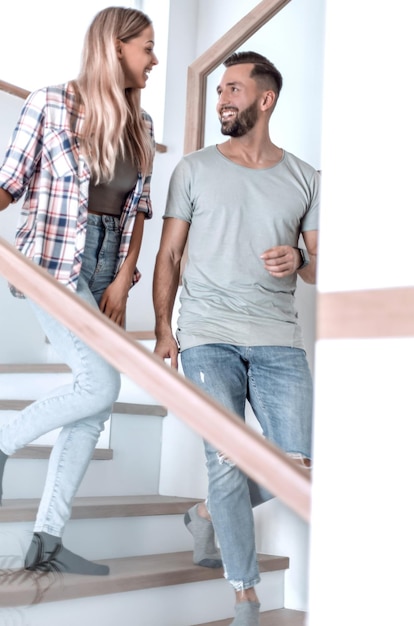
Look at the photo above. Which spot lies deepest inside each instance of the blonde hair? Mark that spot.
(113, 121)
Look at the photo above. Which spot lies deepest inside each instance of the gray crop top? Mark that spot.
(109, 198)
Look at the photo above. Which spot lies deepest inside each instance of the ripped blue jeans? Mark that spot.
(277, 383)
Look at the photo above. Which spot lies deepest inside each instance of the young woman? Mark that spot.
(82, 154)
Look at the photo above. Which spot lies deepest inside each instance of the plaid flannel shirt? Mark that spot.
(43, 160)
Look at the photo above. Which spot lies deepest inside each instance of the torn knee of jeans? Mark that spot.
(222, 458)
(301, 459)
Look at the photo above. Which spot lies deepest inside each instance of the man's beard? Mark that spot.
(242, 123)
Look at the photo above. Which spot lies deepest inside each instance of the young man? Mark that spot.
(242, 206)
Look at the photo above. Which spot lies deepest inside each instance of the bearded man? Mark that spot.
(241, 206)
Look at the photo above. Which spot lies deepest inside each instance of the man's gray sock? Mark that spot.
(47, 554)
(206, 553)
(247, 614)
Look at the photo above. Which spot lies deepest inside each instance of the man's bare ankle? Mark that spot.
(247, 595)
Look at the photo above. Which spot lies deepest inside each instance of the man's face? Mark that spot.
(238, 98)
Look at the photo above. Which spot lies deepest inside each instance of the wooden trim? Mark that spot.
(138, 335)
(43, 452)
(23, 93)
(124, 408)
(366, 314)
(160, 147)
(259, 458)
(101, 507)
(34, 368)
(281, 617)
(210, 59)
(131, 408)
(14, 90)
(141, 335)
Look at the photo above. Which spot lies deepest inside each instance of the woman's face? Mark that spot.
(137, 58)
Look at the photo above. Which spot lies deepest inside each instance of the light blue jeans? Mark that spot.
(82, 407)
(277, 383)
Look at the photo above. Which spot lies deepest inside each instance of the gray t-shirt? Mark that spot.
(236, 213)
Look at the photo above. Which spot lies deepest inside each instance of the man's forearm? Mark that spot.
(165, 286)
(308, 273)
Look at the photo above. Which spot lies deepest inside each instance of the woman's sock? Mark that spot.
(47, 554)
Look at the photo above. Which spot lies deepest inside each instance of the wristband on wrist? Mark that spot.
(304, 258)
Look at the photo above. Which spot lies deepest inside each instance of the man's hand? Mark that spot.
(281, 261)
(167, 348)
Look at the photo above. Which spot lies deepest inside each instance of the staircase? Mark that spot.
(118, 518)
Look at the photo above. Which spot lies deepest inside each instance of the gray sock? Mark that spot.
(3, 459)
(206, 553)
(47, 554)
(247, 614)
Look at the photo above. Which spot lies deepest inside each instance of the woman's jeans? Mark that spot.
(277, 383)
(81, 408)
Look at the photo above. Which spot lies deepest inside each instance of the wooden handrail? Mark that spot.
(23, 93)
(210, 59)
(256, 456)
(14, 90)
(366, 314)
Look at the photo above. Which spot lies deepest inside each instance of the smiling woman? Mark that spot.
(85, 177)
(137, 58)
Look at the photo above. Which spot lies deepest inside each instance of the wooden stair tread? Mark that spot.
(34, 451)
(34, 368)
(19, 588)
(126, 408)
(281, 617)
(99, 507)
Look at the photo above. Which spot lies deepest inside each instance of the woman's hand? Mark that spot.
(114, 300)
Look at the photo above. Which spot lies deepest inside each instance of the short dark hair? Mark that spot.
(263, 70)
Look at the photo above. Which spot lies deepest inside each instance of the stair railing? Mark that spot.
(256, 456)
(14, 90)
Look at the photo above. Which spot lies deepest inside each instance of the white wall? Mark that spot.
(362, 516)
(41, 41)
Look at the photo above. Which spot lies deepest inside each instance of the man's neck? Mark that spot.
(247, 152)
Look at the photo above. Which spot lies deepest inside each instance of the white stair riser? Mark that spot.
(103, 538)
(24, 386)
(134, 469)
(176, 605)
(49, 438)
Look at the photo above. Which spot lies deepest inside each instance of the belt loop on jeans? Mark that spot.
(103, 220)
